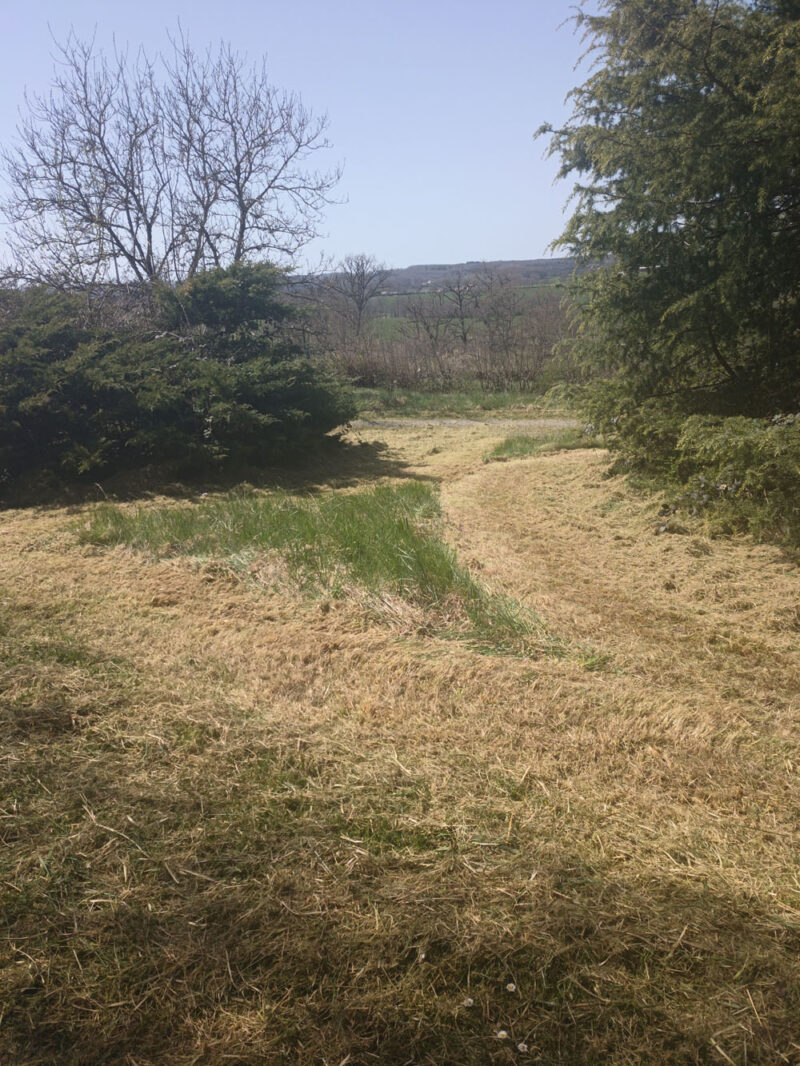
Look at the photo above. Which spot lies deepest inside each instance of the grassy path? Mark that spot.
(494, 423)
(242, 825)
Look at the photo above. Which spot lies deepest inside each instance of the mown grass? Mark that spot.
(521, 445)
(385, 540)
(243, 825)
(186, 878)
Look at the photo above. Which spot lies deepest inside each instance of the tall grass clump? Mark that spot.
(469, 401)
(385, 540)
(520, 445)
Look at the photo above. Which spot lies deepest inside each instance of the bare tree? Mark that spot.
(499, 350)
(143, 169)
(430, 328)
(516, 332)
(356, 281)
(461, 292)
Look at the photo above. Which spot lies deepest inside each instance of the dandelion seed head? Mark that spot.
(469, 1002)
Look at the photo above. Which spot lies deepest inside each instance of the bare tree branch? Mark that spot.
(356, 280)
(144, 170)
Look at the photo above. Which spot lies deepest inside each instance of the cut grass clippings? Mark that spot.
(385, 541)
(238, 825)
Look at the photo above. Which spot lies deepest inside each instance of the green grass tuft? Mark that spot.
(521, 445)
(469, 402)
(384, 540)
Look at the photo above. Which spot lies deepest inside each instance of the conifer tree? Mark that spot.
(685, 143)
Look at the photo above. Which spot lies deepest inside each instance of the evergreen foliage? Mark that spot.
(218, 380)
(744, 472)
(230, 302)
(741, 474)
(686, 146)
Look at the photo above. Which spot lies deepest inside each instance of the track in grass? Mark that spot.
(244, 823)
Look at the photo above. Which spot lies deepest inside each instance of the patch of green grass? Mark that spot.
(469, 402)
(62, 650)
(382, 833)
(388, 327)
(596, 661)
(521, 445)
(385, 539)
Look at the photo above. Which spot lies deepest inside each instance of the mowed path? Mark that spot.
(692, 665)
(250, 792)
(521, 424)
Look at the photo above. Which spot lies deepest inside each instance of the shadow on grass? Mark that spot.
(176, 898)
(335, 463)
(269, 945)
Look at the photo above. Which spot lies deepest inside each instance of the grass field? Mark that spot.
(384, 541)
(465, 403)
(250, 817)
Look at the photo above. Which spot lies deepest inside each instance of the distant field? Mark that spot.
(269, 796)
(395, 304)
(389, 320)
(388, 327)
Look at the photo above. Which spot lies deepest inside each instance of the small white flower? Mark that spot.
(511, 987)
(522, 1047)
(501, 1034)
(469, 1002)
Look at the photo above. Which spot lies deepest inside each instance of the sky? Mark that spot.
(432, 106)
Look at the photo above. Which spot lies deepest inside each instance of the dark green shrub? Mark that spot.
(227, 301)
(79, 401)
(744, 472)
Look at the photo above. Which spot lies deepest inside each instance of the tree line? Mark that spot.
(480, 326)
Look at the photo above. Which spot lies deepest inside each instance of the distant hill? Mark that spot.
(429, 276)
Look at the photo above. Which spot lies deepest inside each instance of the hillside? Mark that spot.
(425, 276)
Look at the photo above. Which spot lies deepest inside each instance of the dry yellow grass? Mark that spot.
(245, 827)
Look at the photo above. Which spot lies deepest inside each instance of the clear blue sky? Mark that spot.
(432, 105)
